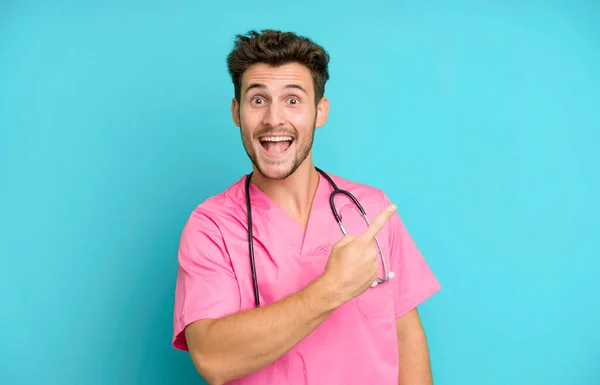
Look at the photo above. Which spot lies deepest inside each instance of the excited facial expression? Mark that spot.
(277, 117)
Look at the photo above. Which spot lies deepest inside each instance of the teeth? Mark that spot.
(276, 138)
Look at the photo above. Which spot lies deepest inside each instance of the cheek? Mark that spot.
(246, 124)
(250, 122)
(304, 121)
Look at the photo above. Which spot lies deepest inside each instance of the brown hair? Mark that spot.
(277, 48)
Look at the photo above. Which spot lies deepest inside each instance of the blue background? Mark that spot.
(480, 121)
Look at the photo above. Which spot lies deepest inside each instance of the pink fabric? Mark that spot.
(357, 344)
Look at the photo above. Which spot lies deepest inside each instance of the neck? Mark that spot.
(294, 194)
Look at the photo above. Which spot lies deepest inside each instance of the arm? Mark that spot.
(235, 345)
(239, 344)
(414, 366)
(414, 283)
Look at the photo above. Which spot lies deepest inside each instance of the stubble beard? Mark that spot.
(298, 160)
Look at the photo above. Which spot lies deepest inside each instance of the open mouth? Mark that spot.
(276, 145)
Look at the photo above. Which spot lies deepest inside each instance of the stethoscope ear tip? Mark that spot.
(391, 275)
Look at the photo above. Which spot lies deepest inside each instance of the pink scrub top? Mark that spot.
(357, 343)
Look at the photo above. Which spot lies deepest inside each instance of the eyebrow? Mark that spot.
(262, 86)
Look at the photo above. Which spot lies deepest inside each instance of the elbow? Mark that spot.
(213, 380)
(208, 363)
(210, 370)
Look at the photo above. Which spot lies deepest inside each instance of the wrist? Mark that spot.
(326, 294)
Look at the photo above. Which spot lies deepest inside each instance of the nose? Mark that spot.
(274, 116)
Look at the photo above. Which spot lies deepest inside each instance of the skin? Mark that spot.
(280, 101)
(414, 367)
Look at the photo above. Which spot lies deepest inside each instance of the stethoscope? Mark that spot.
(388, 275)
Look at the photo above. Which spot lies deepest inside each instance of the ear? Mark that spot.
(322, 112)
(235, 112)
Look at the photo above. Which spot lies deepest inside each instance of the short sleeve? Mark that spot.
(414, 282)
(206, 285)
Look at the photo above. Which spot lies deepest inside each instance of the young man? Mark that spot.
(327, 308)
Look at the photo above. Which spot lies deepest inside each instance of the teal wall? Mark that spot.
(481, 121)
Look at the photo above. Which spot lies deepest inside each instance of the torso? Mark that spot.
(357, 343)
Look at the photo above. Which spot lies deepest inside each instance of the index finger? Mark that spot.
(378, 223)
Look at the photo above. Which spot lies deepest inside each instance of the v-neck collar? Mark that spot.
(304, 242)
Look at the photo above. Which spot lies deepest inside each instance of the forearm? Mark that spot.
(242, 343)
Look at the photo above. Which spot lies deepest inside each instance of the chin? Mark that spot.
(275, 171)
(277, 167)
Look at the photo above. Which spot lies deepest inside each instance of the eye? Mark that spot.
(294, 100)
(257, 100)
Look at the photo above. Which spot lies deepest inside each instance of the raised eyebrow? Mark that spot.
(262, 86)
(297, 87)
(255, 85)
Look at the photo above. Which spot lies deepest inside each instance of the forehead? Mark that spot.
(277, 77)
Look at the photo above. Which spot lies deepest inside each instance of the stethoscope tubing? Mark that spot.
(336, 190)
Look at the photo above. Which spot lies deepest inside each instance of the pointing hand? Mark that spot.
(353, 262)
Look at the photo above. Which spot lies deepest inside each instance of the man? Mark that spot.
(321, 316)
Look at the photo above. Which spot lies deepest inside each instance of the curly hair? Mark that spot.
(277, 48)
